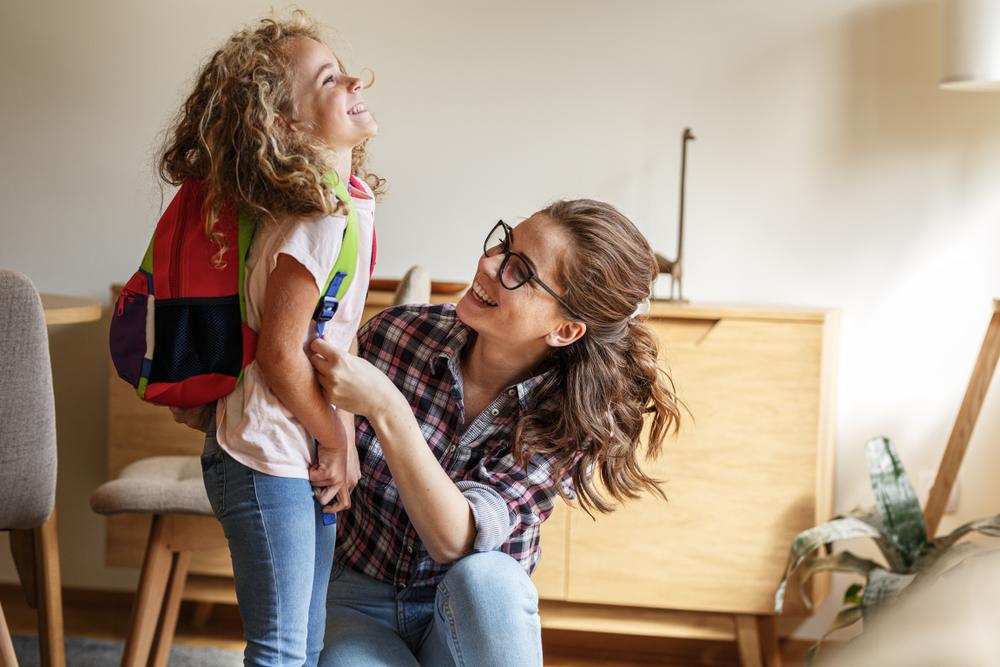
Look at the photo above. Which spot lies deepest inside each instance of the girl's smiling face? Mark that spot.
(328, 102)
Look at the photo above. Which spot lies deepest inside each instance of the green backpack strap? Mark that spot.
(342, 274)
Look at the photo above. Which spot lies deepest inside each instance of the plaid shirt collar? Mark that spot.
(449, 356)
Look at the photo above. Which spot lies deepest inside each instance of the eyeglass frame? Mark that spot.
(532, 276)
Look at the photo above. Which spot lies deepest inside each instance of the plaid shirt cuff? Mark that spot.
(489, 511)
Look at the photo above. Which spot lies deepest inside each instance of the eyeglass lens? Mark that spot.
(514, 272)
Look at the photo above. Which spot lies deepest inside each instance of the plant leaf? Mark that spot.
(893, 556)
(883, 588)
(938, 546)
(810, 540)
(843, 561)
(852, 595)
(897, 501)
(845, 618)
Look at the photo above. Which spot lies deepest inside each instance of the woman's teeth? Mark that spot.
(356, 109)
(481, 294)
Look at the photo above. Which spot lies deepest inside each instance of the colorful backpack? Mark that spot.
(179, 333)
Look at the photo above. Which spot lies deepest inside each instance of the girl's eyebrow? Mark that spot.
(323, 68)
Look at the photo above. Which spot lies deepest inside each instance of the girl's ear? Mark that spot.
(568, 332)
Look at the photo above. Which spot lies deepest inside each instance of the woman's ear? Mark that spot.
(567, 333)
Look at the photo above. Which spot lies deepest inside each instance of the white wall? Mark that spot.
(829, 170)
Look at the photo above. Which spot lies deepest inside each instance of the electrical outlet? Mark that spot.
(926, 481)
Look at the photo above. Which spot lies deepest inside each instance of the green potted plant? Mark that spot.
(896, 525)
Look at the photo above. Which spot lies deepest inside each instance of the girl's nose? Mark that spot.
(354, 84)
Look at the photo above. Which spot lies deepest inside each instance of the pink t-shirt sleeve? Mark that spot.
(314, 244)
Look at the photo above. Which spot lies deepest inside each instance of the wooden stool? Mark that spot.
(169, 488)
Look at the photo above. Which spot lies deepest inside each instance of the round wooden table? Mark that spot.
(61, 309)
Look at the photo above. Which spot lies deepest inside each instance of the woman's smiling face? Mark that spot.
(526, 315)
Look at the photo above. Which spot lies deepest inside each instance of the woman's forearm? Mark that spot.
(435, 506)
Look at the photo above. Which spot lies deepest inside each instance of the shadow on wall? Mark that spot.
(893, 106)
(80, 379)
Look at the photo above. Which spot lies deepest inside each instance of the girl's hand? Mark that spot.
(350, 382)
(198, 418)
(332, 478)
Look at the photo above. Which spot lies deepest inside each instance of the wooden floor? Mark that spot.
(103, 615)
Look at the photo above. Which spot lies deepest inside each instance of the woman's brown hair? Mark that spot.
(590, 411)
(230, 133)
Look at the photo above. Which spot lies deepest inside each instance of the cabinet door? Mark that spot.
(741, 478)
(549, 576)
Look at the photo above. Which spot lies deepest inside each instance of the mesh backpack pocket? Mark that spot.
(179, 333)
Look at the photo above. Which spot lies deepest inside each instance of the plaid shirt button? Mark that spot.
(495, 411)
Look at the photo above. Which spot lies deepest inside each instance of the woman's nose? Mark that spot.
(490, 265)
(354, 84)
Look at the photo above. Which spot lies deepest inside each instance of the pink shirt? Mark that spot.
(253, 425)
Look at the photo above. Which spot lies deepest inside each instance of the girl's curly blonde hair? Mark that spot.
(230, 134)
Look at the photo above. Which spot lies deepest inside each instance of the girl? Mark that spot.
(275, 126)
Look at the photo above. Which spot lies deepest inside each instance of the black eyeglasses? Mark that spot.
(515, 269)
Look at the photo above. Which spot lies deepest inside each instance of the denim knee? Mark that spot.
(491, 575)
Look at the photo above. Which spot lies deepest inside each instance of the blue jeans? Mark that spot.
(282, 555)
(483, 614)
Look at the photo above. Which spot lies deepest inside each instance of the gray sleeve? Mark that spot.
(489, 511)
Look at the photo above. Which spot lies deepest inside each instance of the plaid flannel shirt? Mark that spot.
(418, 348)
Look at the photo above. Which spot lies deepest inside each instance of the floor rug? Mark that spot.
(84, 652)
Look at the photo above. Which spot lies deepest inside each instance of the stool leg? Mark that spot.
(7, 656)
(168, 621)
(149, 596)
(49, 590)
(202, 610)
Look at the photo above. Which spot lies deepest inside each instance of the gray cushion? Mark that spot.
(157, 485)
(27, 407)
(415, 287)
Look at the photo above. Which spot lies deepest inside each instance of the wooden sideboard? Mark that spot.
(751, 467)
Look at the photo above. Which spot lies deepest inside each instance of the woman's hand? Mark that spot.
(350, 382)
(198, 418)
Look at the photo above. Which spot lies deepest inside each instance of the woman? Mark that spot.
(471, 419)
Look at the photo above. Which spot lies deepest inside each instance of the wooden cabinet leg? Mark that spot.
(748, 640)
(7, 656)
(149, 597)
(171, 608)
(48, 580)
(768, 627)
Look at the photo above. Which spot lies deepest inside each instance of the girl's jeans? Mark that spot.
(282, 554)
(483, 614)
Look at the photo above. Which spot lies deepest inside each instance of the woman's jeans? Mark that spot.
(483, 614)
(282, 555)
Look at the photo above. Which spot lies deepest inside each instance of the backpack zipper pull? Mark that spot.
(126, 296)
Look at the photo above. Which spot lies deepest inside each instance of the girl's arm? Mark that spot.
(439, 511)
(318, 472)
(289, 302)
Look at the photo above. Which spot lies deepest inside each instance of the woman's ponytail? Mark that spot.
(591, 409)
